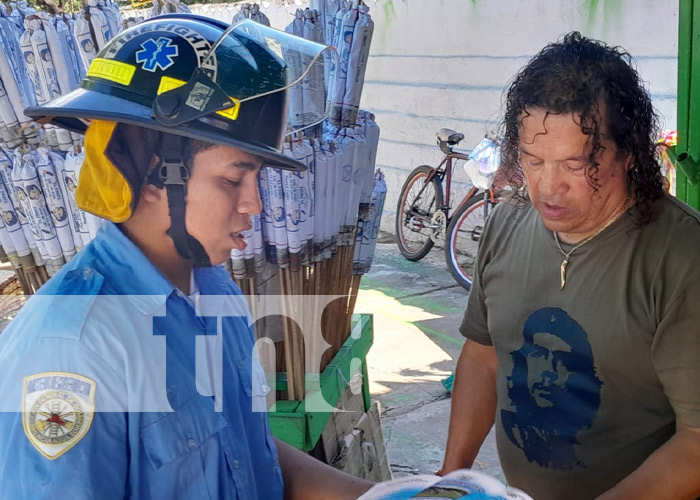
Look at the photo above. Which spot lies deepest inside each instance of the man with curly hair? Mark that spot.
(582, 324)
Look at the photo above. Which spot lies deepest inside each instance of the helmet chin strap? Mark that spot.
(172, 173)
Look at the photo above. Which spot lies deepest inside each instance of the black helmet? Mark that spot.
(233, 95)
(186, 76)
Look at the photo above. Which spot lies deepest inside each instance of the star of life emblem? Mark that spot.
(57, 411)
(157, 54)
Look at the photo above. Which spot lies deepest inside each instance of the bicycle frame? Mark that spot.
(444, 172)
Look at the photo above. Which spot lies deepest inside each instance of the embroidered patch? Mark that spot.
(157, 54)
(57, 411)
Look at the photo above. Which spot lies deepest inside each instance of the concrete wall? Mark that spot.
(445, 63)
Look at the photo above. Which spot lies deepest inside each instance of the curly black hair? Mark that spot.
(583, 77)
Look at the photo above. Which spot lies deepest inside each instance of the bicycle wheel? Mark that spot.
(417, 205)
(462, 239)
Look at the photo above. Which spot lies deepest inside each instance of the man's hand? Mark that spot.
(473, 405)
(306, 478)
(670, 473)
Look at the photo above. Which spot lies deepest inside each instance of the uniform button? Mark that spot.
(87, 272)
(192, 444)
(235, 464)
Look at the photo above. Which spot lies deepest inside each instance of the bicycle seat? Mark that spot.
(450, 136)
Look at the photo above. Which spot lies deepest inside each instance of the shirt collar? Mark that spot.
(138, 278)
(145, 285)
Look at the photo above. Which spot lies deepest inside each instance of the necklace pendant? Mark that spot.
(563, 272)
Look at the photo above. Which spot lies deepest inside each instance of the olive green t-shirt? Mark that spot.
(591, 378)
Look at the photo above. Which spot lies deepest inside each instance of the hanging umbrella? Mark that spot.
(56, 66)
(257, 245)
(93, 222)
(313, 85)
(120, 21)
(72, 43)
(44, 60)
(65, 27)
(278, 215)
(6, 169)
(335, 192)
(6, 243)
(333, 72)
(100, 25)
(20, 185)
(357, 65)
(293, 211)
(344, 38)
(82, 61)
(327, 11)
(156, 9)
(266, 217)
(238, 267)
(352, 154)
(39, 212)
(10, 123)
(378, 198)
(298, 198)
(369, 137)
(53, 56)
(40, 90)
(242, 14)
(368, 227)
(13, 71)
(67, 184)
(179, 6)
(66, 47)
(308, 187)
(111, 16)
(318, 197)
(343, 8)
(23, 9)
(295, 68)
(87, 46)
(258, 16)
(59, 213)
(12, 225)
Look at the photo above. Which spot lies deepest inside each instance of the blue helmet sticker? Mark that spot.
(157, 54)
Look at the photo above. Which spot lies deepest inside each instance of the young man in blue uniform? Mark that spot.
(114, 383)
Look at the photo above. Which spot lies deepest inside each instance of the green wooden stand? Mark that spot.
(686, 155)
(290, 421)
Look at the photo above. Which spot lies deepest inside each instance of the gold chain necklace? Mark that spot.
(567, 255)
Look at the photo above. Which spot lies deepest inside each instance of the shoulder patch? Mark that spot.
(57, 411)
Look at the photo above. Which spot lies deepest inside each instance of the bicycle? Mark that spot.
(423, 214)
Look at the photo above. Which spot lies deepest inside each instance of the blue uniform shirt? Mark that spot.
(114, 385)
